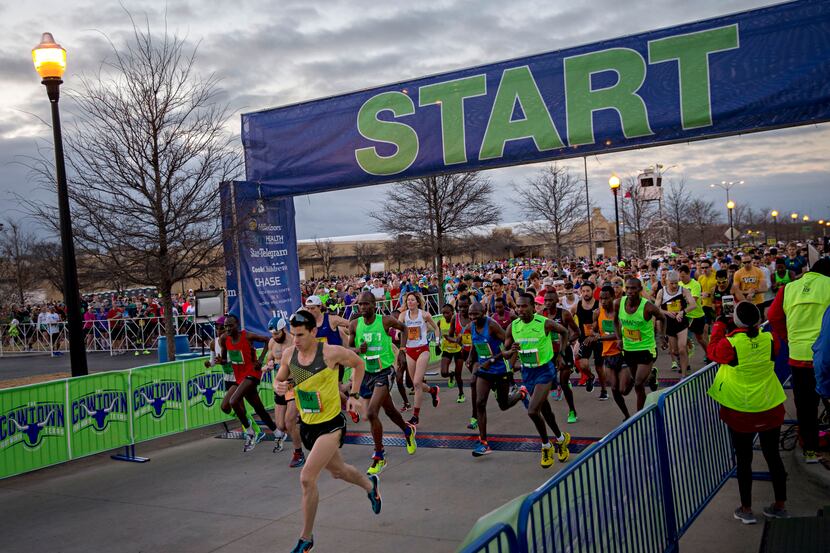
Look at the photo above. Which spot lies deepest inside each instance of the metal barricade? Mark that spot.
(499, 538)
(698, 448)
(610, 499)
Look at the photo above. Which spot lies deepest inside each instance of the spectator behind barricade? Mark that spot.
(821, 359)
(795, 315)
(751, 400)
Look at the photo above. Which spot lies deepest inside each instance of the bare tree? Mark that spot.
(364, 254)
(433, 209)
(701, 217)
(325, 252)
(145, 159)
(676, 206)
(638, 214)
(552, 196)
(17, 267)
(500, 243)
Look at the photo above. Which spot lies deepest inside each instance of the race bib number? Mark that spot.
(529, 357)
(466, 339)
(310, 402)
(227, 369)
(632, 334)
(608, 326)
(322, 339)
(484, 350)
(235, 357)
(373, 363)
(413, 333)
(674, 306)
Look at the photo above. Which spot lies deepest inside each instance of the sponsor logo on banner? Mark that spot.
(31, 424)
(157, 397)
(98, 409)
(205, 388)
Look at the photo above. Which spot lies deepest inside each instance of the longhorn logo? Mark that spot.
(30, 423)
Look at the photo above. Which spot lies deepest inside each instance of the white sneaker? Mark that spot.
(250, 443)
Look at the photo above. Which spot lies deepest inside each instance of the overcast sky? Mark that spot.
(273, 53)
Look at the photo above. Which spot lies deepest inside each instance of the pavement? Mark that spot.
(18, 366)
(203, 495)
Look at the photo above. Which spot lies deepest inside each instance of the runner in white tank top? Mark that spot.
(417, 322)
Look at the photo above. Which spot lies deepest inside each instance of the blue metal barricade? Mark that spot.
(611, 499)
(699, 453)
(499, 538)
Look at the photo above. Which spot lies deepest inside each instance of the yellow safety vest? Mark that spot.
(751, 386)
(805, 301)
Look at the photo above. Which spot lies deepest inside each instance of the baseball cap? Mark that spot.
(276, 323)
(548, 281)
(314, 301)
(505, 280)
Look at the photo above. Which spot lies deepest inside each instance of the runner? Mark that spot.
(694, 312)
(634, 322)
(285, 409)
(328, 326)
(417, 322)
(619, 376)
(584, 311)
(310, 364)
(451, 353)
(708, 281)
(369, 337)
(564, 357)
(530, 336)
(781, 276)
(490, 372)
(675, 301)
(238, 349)
(462, 333)
(723, 287)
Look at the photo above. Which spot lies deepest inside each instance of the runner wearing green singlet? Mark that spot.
(696, 316)
(369, 337)
(634, 321)
(529, 337)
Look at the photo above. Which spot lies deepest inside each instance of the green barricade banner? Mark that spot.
(157, 401)
(204, 390)
(99, 413)
(32, 427)
(266, 389)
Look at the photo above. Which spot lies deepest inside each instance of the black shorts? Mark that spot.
(279, 399)
(380, 379)
(493, 378)
(595, 350)
(568, 356)
(675, 327)
(253, 379)
(709, 314)
(613, 362)
(310, 432)
(229, 384)
(634, 358)
(456, 356)
(696, 326)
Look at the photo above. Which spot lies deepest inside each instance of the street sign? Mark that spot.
(771, 241)
(732, 233)
(806, 228)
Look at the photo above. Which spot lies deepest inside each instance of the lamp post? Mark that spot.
(730, 205)
(794, 217)
(774, 214)
(614, 183)
(50, 63)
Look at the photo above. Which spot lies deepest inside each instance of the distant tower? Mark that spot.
(650, 189)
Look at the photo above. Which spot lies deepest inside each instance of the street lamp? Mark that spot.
(730, 205)
(50, 63)
(806, 218)
(774, 214)
(614, 183)
(726, 186)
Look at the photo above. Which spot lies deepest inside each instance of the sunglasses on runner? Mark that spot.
(299, 319)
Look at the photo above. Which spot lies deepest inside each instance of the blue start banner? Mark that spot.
(261, 264)
(746, 72)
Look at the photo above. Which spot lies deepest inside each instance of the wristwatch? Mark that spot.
(354, 395)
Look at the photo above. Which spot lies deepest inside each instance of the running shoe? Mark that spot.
(433, 391)
(572, 418)
(514, 388)
(297, 460)
(652, 380)
(377, 466)
(675, 366)
(473, 423)
(482, 449)
(556, 394)
(562, 447)
(603, 395)
(137, 353)
(411, 444)
(461, 398)
(406, 407)
(412, 391)
(525, 394)
(278, 442)
(547, 456)
(414, 420)
(250, 443)
(451, 381)
(583, 380)
(746, 518)
(589, 385)
(772, 512)
(303, 545)
(145, 352)
(259, 436)
(374, 495)
(810, 457)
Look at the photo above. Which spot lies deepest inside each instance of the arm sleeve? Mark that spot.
(720, 350)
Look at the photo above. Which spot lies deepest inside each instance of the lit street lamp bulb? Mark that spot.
(614, 182)
(730, 204)
(794, 216)
(774, 213)
(49, 58)
(806, 218)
